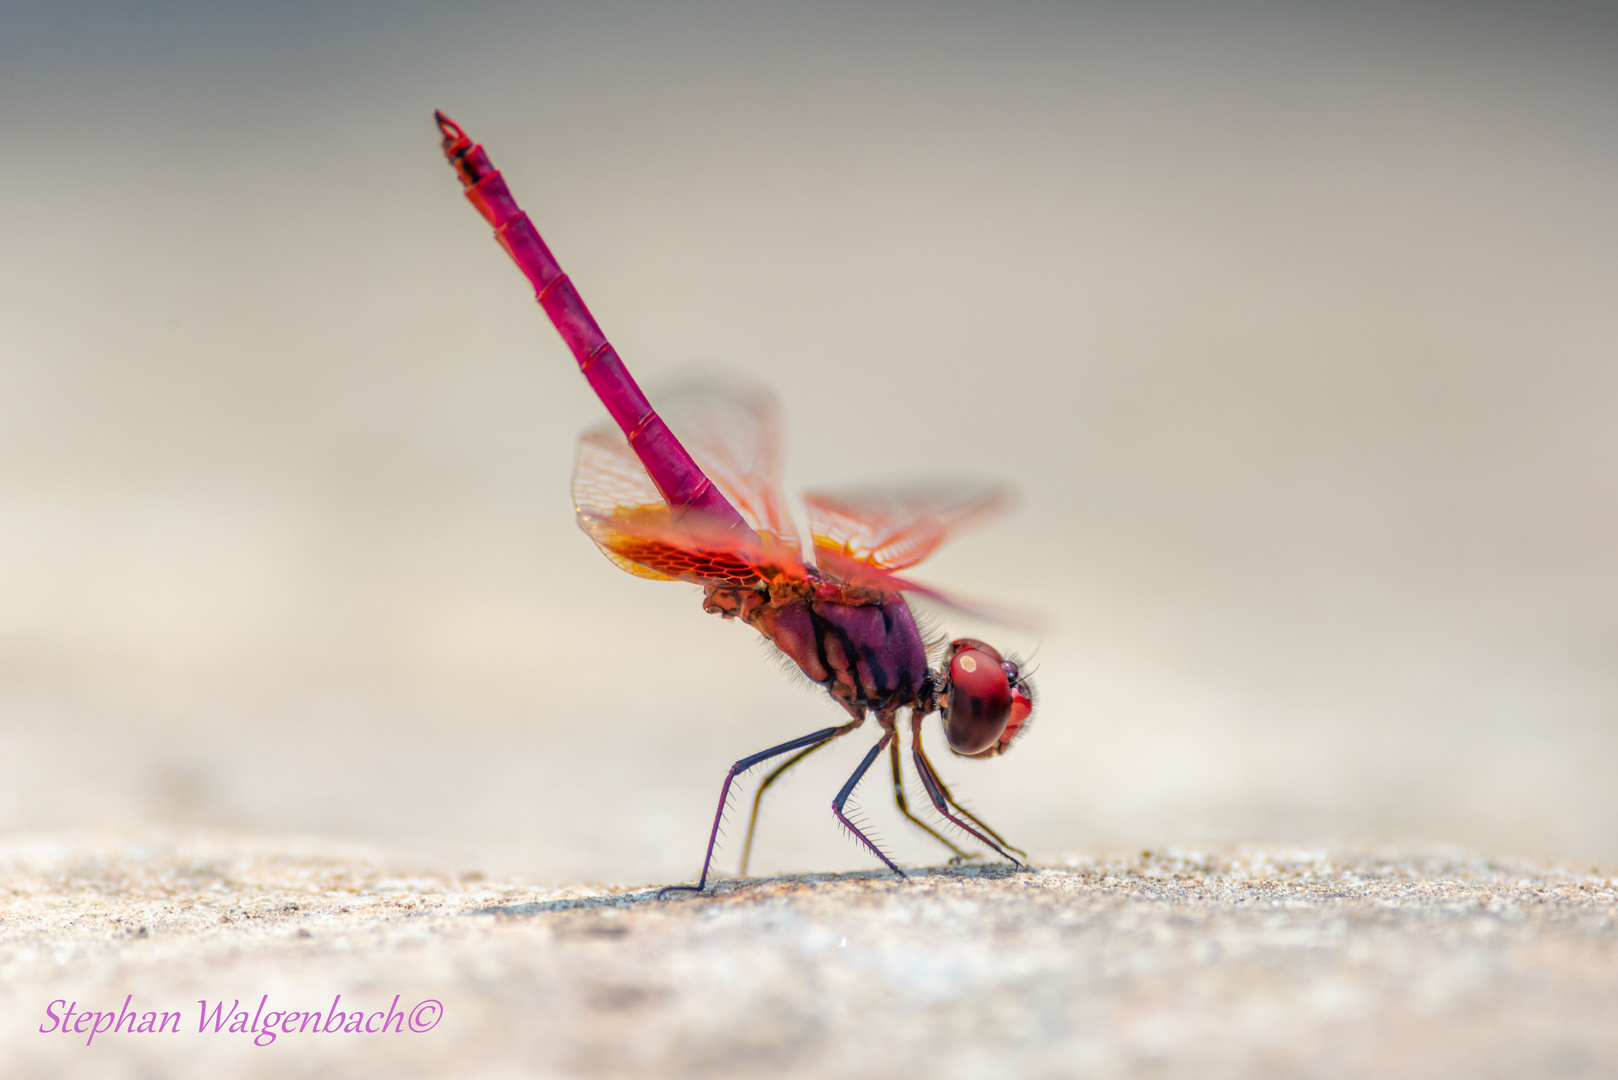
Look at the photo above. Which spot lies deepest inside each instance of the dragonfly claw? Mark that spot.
(665, 890)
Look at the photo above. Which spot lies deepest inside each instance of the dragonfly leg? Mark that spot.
(963, 811)
(812, 740)
(904, 807)
(974, 819)
(764, 785)
(944, 801)
(838, 803)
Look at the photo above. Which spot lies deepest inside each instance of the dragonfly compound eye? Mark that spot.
(979, 701)
(1022, 707)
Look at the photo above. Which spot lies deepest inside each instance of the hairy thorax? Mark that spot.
(861, 644)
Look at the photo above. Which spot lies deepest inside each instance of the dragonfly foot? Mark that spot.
(665, 890)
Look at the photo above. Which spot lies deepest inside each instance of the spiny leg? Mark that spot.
(968, 815)
(963, 811)
(814, 739)
(904, 806)
(848, 789)
(943, 801)
(758, 796)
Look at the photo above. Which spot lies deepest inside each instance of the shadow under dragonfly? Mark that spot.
(749, 888)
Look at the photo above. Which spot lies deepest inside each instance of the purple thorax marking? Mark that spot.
(881, 649)
(681, 482)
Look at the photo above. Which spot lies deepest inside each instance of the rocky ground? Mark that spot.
(1240, 963)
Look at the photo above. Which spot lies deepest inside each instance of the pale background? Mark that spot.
(1297, 331)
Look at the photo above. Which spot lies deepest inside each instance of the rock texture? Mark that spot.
(1240, 963)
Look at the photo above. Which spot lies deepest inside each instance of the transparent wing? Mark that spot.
(890, 528)
(733, 430)
(610, 485)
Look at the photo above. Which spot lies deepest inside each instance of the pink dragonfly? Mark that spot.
(709, 511)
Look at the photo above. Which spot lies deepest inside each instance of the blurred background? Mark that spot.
(1296, 328)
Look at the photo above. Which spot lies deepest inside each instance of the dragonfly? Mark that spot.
(705, 507)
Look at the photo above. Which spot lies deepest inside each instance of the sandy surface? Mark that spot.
(1247, 962)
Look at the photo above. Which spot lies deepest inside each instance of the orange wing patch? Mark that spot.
(652, 544)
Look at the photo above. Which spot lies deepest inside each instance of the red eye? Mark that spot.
(973, 643)
(1022, 707)
(979, 702)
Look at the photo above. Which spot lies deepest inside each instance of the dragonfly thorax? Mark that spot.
(861, 644)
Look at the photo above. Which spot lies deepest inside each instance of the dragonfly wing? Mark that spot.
(886, 529)
(621, 510)
(1015, 618)
(609, 484)
(734, 432)
(654, 544)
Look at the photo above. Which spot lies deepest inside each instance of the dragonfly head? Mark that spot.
(986, 702)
